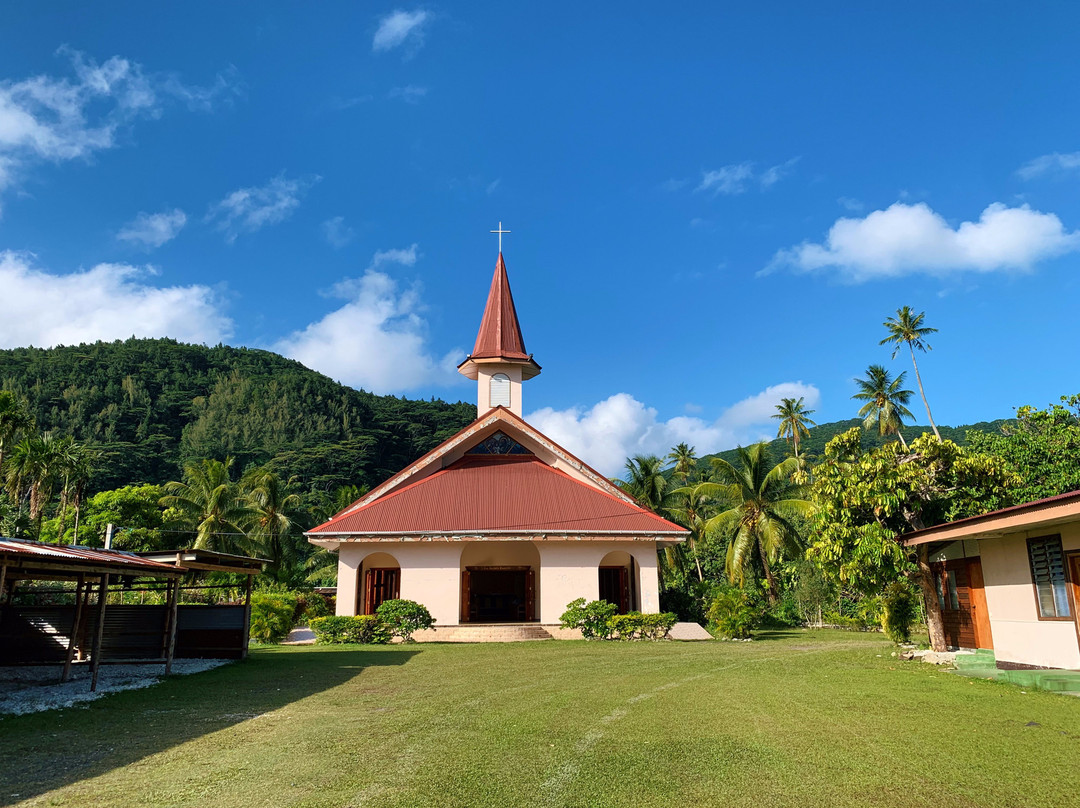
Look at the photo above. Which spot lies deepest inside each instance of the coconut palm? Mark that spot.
(210, 504)
(684, 459)
(907, 328)
(794, 421)
(885, 402)
(272, 520)
(767, 505)
(691, 507)
(645, 481)
(32, 472)
(15, 419)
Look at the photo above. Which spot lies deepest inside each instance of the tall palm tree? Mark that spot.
(210, 504)
(273, 517)
(684, 459)
(32, 472)
(794, 420)
(691, 507)
(76, 464)
(15, 419)
(763, 518)
(907, 328)
(885, 402)
(645, 481)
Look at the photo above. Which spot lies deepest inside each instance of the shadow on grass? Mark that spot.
(778, 634)
(45, 751)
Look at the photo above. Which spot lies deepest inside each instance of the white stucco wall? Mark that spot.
(431, 572)
(1019, 635)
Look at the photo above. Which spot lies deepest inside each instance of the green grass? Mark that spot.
(802, 718)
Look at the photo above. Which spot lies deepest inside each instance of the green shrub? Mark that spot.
(733, 615)
(843, 621)
(786, 612)
(626, 626)
(871, 611)
(593, 618)
(313, 606)
(403, 618)
(899, 611)
(657, 626)
(272, 616)
(334, 630)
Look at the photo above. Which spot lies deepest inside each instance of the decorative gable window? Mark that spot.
(1048, 574)
(500, 390)
(498, 444)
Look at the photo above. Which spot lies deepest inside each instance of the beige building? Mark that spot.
(498, 524)
(1009, 580)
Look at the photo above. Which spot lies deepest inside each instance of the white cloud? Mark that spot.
(46, 118)
(337, 233)
(737, 178)
(153, 229)
(249, 209)
(378, 339)
(1055, 163)
(400, 28)
(609, 432)
(908, 239)
(849, 204)
(410, 93)
(105, 302)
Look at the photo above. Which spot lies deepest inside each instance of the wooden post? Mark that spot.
(75, 622)
(247, 617)
(95, 659)
(170, 641)
(3, 580)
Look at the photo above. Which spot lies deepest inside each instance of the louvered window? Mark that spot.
(1048, 572)
(500, 390)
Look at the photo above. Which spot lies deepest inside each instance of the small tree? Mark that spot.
(404, 617)
(592, 618)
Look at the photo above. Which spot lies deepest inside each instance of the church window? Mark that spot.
(499, 444)
(500, 390)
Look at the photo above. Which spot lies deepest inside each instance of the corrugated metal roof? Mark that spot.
(503, 493)
(1033, 507)
(500, 333)
(90, 556)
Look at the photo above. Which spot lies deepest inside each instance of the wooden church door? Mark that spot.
(379, 585)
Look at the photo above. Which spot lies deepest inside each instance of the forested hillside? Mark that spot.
(154, 403)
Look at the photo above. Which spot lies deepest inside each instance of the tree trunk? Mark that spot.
(796, 443)
(922, 393)
(62, 517)
(934, 622)
(697, 561)
(772, 590)
(76, 521)
(903, 442)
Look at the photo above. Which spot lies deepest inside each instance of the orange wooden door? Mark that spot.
(466, 593)
(1074, 576)
(530, 595)
(979, 614)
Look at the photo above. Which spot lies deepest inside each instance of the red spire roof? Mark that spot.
(500, 334)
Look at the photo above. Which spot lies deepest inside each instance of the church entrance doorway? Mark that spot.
(498, 594)
(619, 581)
(380, 580)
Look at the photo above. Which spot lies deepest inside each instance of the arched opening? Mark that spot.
(380, 579)
(620, 581)
(500, 390)
(500, 582)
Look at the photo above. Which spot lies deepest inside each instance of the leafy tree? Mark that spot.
(15, 419)
(885, 401)
(907, 328)
(763, 519)
(209, 504)
(794, 421)
(32, 473)
(684, 459)
(866, 499)
(136, 509)
(1042, 447)
(645, 481)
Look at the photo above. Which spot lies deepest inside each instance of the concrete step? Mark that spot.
(495, 632)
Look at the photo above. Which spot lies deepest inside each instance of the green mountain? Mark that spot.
(154, 403)
(814, 445)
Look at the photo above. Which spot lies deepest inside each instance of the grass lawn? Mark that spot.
(800, 718)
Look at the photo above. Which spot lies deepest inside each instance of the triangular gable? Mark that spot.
(494, 420)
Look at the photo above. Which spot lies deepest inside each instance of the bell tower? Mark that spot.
(498, 362)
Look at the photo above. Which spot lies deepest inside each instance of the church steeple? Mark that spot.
(498, 362)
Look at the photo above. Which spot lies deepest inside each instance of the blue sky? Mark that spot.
(711, 207)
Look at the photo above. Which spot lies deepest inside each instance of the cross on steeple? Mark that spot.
(500, 231)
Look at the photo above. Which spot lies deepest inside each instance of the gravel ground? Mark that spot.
(33, 689)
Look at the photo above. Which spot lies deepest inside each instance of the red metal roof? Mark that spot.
(500, 333)
(498, 493)
(1033, 507)
(33, 551)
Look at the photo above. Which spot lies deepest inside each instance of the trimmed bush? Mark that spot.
(733, 615)
(898, 612)
(638, 626)
(403, 618)
(272, 616)
(592, 618)
(335, 630)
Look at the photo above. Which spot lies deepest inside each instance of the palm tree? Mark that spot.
(793, 418)
(15, 418)
(76, 464)
(907, 328)
(885, 402)
(767, 503)
(273, 517)
(210, 503)
(645, 481)
(692, 507)
(684, 459)
(32, 472)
